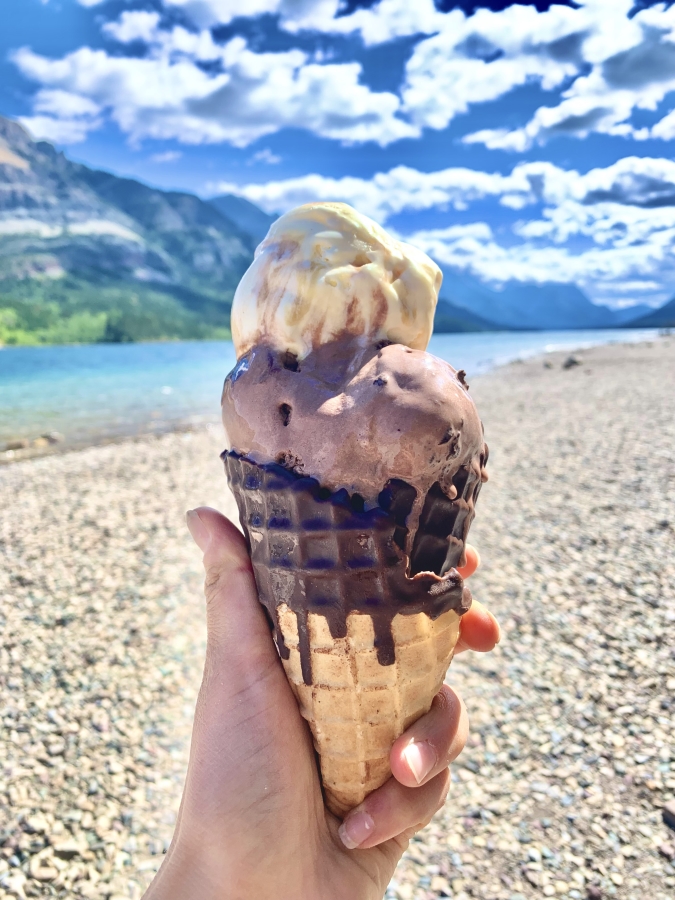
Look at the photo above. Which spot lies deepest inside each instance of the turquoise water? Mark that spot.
(103, 391)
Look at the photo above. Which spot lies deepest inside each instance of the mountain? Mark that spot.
(85, 255)
(451, 319)
(628, 314)
(664, 317)
(246, 214)
(518, 305)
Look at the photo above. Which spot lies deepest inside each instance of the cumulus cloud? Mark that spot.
(597, 269)
(607, 62)
(631, 66)
(622, 216)
(639, 182)
(192, 89)
(62, 117)
(604, 60)
(404, 188)
(610, 57)
(168, 156)
(138, 25)
(265, 156)
(294, 14)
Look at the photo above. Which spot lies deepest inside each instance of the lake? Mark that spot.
(101, 392)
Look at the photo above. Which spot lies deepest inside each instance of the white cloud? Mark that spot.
(265, 156)
(65, 104)
(138, 25)
(597, 269)
(632, 67)
(168, 156)
(294, 14)
(616, 65)
(58, 131)
(404, 188)
(62, 117)
(665, 129)
(241, 97)
(387, 193)
(608, 227)
(606, 65)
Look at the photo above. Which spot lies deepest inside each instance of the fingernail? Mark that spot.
(420, 758)
(200, 533)
(499, 631)
(356, 828)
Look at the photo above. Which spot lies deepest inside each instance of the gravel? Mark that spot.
(565, 786)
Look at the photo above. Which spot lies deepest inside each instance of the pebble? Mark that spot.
(669, 814)
(571, 716)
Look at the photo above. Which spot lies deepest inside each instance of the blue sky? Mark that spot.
(528, 141)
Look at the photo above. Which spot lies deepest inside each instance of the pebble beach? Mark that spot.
(565, 787)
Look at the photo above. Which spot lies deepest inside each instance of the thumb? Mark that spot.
(238, 631)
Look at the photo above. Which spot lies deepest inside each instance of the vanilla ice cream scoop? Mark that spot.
(325, 272)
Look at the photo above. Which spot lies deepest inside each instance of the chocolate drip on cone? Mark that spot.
(324, 553)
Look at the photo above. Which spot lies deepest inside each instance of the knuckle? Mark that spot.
(214, 581)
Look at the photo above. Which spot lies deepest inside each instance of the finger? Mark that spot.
(478, 630)
(236, 624)
(392, 810)
(433, 742)
(472, 561)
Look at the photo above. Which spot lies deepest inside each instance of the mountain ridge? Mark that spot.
(663, 317)
(530, 306)
(88, 255)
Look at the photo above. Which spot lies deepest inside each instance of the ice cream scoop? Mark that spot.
(356, 459)
(324, 272)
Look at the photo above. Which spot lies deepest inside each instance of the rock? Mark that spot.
(41, 870)
(53, 437)
(36, 824)
(669, 814)
(667, 850)
(67, 849)
(533, 877)
(441, 885)
(571, 362)
(593, 892)
(20, 444)
(40, 443)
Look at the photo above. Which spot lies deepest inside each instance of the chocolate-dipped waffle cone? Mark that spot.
(364, 632)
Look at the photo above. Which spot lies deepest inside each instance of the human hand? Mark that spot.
(252, 824)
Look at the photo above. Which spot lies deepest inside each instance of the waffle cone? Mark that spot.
(356, 708)
(365, 645)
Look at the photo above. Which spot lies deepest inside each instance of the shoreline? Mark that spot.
(43, 446)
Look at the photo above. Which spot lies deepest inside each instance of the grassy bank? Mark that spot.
(74, 311)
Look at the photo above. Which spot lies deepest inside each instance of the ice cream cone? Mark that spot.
(364, 642)
(356, 707)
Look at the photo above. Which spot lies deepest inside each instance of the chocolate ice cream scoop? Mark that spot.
(356, 417)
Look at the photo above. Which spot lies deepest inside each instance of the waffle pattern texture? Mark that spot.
(365, 647)
(356, 707)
